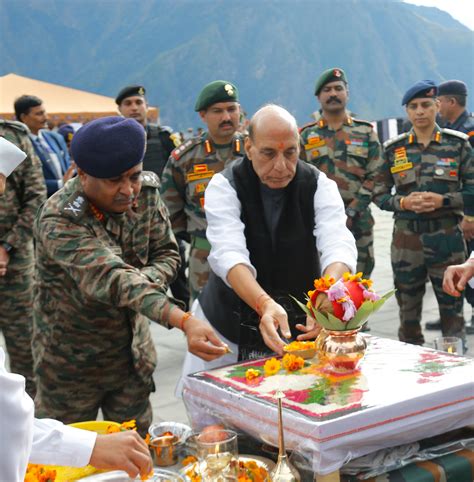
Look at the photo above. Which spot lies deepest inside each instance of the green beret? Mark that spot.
(329, 75)
(217, 91)
(130, 91)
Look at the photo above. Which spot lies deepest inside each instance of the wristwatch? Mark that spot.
(446, 202)
(351, 213)
(6, 246)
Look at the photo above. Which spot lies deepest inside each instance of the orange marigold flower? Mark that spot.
(251, 374)
(112, 429)
(352, 277)
(291, 363)
(271, 367)
(300, 345)
(367, 282)
(324, 283)
(129, 425)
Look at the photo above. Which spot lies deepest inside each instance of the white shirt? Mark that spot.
(24, 438)
(225, 229)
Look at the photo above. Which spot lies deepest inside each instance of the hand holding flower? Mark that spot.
(274, 317)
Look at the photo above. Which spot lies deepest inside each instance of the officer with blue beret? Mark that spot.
(106, 254)
(427, 182)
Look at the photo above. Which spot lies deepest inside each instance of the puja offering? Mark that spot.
(250, 469)
(217, 453)
(353, 301)
(167, 440)
(303, 349)
(158, 475)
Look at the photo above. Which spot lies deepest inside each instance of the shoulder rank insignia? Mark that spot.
(363, 121)
(184, 147)
(75, 205)
(452, 132)
(237, 144)
(309, 124)
(208, 149)
(394, 140)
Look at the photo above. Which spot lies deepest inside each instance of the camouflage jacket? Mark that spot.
(350, 156)
(25, 192)
(445, 167)
(99, 280)
(186, 176)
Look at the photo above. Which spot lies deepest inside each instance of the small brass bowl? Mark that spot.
(164, 451)
(305, 352)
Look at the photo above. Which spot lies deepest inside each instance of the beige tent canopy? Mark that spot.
(62, 104)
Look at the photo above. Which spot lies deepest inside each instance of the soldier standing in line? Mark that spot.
(452, 96)
(105, 256)
(25, 192)
(348, 151)
(191, 167)
(160, 142)
(433, 174)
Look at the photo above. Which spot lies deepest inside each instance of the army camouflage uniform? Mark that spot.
(350, 156)
(185, 178)
(426, 244)
(100, 277)
(25, 192)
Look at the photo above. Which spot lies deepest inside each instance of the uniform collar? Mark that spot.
(210, 145)
(322, 122)
(435, 137)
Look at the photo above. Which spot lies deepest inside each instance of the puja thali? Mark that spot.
(159, 475)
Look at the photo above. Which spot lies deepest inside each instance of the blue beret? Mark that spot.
(423, 88)
(67, 131)
(109, 146)
(452, 87)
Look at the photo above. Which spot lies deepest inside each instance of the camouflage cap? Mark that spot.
(109, 146)
(217, 91)
(329, 75)
(130, 91)
(423, 88)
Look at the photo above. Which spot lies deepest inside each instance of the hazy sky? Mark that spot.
(462, 10)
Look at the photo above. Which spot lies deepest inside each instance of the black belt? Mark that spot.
(426, 225)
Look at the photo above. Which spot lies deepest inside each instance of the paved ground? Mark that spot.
(171, 344)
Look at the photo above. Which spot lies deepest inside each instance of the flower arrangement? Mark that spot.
(352, 298)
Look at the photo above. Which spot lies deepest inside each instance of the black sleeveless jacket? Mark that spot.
(289, 266)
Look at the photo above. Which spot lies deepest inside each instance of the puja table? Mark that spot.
(402, 393)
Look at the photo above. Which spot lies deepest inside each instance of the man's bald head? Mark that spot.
(272, 116)
(273, 146)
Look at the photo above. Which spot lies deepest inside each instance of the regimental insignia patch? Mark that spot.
(200, 171)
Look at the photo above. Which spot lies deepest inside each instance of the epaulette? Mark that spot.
(16, 125)
(309, 124)
(74, 206)
(150, 179)
(452, 132)
(185, 147)
(362, 121)
(395, 139)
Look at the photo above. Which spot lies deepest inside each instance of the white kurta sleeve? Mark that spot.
(16, 424)
(24, 438)
(57, 444)
(334, 241)
(225, 230)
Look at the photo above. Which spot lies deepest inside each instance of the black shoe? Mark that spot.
(433, 325)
